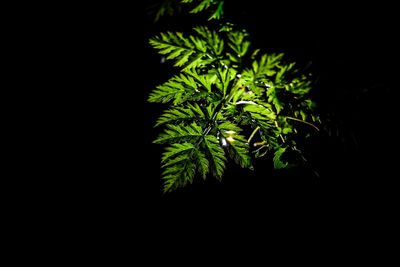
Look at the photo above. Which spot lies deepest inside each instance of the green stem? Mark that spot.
(252, 134)
(306, 122)
(277, 126)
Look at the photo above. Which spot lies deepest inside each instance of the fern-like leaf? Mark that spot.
(278, 163)
(273, 98)
(178, 172)
(260, 112)
(229, 127)
(214, 41)
(258, 76)
(205, 80)
(176, 149)
(237, 146)
(178, 89)
(179, 133)
(215, 154)
(181, 162)
(181, 114)
(187, 52)
(202, 164)
(238, 44)
(205, 4)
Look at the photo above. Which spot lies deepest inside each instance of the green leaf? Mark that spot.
(278, 163)
(178, 89)
(237, 95)
(205, 80)
(258, 76)
(182, 114)
(214, 42)
(218, 12)
(176, 149)
(260, 112)
(225, 76)
(229, 126)
(239, 151)
(165, 7)
(178, 173)
(282, 74)
(272, 94)
(201, 162)
(187, 52)
(238, 43)
(178, 133)
(287, 130)
(236, 144)
(182, 161)
(215, 155)
(204, 4)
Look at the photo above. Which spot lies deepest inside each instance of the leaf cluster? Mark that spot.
(229, 101)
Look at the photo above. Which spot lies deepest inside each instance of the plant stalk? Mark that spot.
(306, 122)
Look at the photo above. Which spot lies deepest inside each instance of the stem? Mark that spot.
(306, 122)
(252, 134)
(209, 125)
(277, 126)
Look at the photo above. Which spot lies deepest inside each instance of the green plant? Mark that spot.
(226, 94)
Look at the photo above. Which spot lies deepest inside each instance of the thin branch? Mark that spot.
(252, 134)
(277, 126)
(306, 122)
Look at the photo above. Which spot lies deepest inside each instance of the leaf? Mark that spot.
(287, 130)
(182, 161)
(201, 162)
(178, 133)
(238, 94)
(214, 42)
(273, 98)
(238, 43)
(258, 76)
(178, 172)
(229, 126)
(225, 77)
(281, 75)
(260, 112)
(218, 12)
(182, 114)
(187, 52)
(278, 164)
(236, 144)
(204, 4)
(215, 155)
(205, 80)
(178, 89)
(165, 7)
(176, 149)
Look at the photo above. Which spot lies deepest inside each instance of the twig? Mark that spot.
(277, 126)
(252, 134)
(306, 122)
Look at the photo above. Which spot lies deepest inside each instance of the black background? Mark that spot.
(352, 49)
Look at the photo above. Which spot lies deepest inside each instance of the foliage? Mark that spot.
(206, 4)
(225, 91)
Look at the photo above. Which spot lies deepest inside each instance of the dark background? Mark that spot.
(352, 50)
